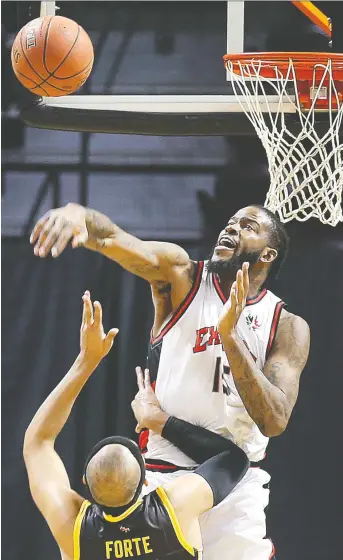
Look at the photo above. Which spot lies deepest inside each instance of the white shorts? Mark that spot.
(235, 529)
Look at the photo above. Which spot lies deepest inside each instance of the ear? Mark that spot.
(268, 255)
(146, 483)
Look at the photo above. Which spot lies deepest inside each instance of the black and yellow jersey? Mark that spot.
(149, 529)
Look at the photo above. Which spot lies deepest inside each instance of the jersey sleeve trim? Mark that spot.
(176, 526)
(113, 519)
(77, 528)
(182, 307)
(274, 326)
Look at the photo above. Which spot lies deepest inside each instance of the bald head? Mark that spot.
(113, 475)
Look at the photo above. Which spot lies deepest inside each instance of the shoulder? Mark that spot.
(291, 322)
(181, 279)
(189, 495)
(293, 332)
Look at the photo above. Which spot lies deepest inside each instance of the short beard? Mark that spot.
(228, 268)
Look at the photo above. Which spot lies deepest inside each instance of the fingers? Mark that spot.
(38, 227)
(87, 315)
(60, 241)
(140, 379)
(239, 288)
(50, 234)
(53, 233)
(97, 314)
(233, 294)
(43, 233)
(242, 284)
(110, 338)
(147, 378)
(246, 278)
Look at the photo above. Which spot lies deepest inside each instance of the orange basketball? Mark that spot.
(52, 56)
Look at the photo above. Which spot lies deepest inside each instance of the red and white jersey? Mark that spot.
(192, 373)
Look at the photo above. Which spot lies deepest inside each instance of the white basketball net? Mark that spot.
(306, 170)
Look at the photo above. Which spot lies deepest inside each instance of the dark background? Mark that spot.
(152, 187)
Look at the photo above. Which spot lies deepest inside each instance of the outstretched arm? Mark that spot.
(269, 395)
(153, 261)
(49, 482)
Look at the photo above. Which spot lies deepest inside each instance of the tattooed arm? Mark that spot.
(270, 396)
(153, 261)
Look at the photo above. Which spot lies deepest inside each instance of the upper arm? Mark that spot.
(288, 355)
(51, 492)
(152, 260)
(190, 496)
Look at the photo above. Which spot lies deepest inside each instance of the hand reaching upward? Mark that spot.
(95, 344)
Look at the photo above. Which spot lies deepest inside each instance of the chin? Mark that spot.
(222, 255)
(215, 259)
(219, 265)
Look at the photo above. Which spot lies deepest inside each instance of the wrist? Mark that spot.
(98, 225)
(87, 361)
(157, 421)
(228, 335)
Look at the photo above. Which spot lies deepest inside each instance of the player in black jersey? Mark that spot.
(118, 523)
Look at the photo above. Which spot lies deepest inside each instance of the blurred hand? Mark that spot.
(145, 405)
(234, 306)
(94, 343)
(57, 227)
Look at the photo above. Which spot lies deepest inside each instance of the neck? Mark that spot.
(119, 510)
(256, 281)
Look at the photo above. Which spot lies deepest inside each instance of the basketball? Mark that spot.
(52, 56)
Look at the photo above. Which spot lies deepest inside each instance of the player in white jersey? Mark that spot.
(224, 352)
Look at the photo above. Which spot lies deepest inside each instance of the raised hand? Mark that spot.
(234, 306)
(145, 405)
(95, 344)
(57, 228)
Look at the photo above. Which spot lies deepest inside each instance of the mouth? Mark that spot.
(226, 242)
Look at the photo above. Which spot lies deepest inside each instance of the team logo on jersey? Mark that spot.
(252, 322)
(124, 529)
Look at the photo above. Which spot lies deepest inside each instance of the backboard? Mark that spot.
(245, 26)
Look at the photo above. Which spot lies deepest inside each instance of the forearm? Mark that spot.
(265, 403)
(223, 472)
(196, 442)
(133, 254)
(55, 410)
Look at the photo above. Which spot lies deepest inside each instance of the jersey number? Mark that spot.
(221, 373)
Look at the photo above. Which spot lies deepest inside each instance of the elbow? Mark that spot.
(274, 427)
(34, 439)
(31, 442)
(28, 443)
